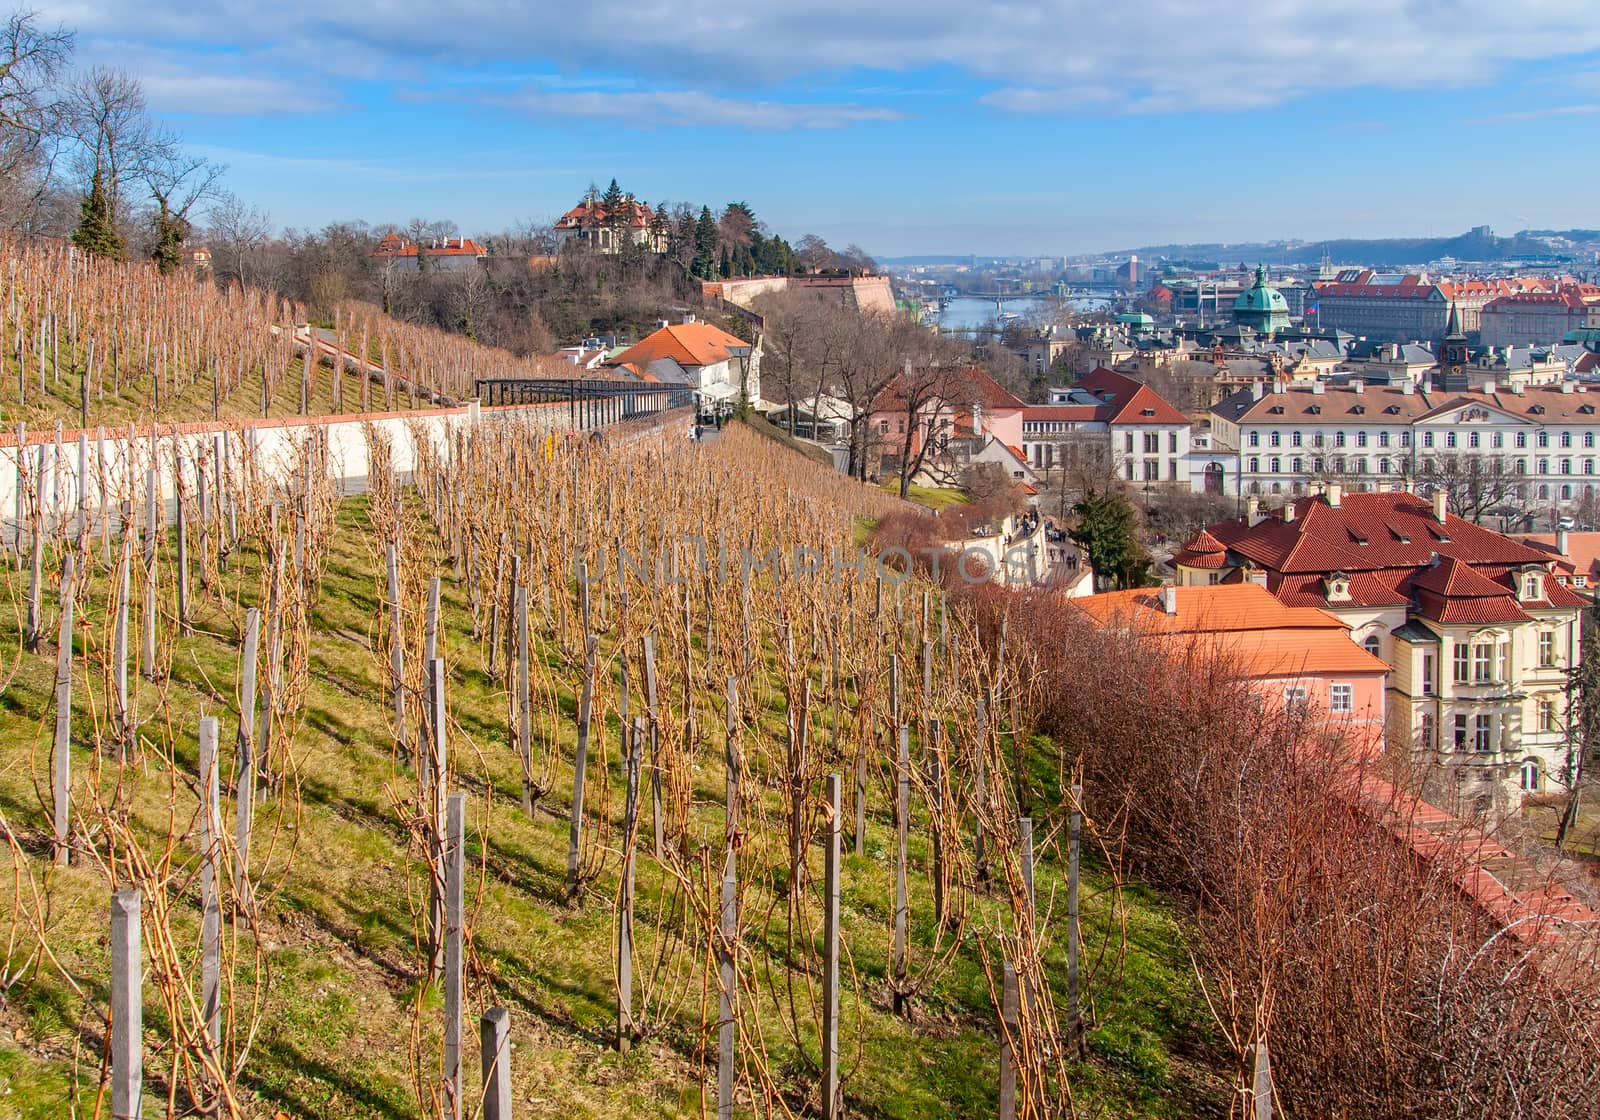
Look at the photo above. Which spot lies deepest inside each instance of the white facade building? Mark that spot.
(1547, 438)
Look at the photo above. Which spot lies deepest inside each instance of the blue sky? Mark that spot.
(932, 126)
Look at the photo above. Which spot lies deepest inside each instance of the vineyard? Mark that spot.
(88, 342)
(625, 751)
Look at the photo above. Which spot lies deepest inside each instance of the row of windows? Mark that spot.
(1358, 465)
(1521, 492)
(1341, 697)
(1152, 442)
(1450, 439)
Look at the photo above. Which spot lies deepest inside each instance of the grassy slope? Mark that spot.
(191, 404)
(339, 932)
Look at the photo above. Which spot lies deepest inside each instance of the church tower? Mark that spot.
(1454, 355)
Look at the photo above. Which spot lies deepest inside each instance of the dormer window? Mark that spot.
(1336, 588)
(1532, 586)
(1314, 410)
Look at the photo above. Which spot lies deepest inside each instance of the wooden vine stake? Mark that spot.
(245, 772)
(630, 843)
(831, 1103)
(1074, 847)
(579, 772)
(210, 881)
(1261, 1083)
(1010, 1026)
(454, 934)
(397, 651)
(127, 1007)
(435, 782)
(494, 1052)
(902, 821)
(61, 766)
(524, 700)
(727, 1027)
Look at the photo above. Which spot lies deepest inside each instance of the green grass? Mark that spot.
(337, 941)
(934, 497)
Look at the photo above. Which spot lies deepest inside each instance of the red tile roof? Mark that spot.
(1130, 401)
(966, 386)
(1202, 551)
(1391, 548)
(591, 214)
(688, 344)
(1244, 621)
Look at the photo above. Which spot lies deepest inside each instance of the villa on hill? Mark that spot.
(1478, 631)
(450, 254)
(590, 224)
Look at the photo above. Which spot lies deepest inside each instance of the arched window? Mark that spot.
(1532, 780)
(1373, 645)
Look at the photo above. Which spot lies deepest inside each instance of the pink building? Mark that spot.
(1300, 657)
(948, 406)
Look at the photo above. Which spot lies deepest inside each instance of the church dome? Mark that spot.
(1259, 298)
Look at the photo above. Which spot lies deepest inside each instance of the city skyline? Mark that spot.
(1054, 129)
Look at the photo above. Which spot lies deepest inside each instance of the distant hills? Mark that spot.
(1480, 244)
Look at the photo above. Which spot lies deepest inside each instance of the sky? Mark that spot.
(904, 126)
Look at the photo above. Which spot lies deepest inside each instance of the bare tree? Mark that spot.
(1476, 483)
(110, 123)
(177, 183)
(237, 231)
(32, 60)
(814, 253)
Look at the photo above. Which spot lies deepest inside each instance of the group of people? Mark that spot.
(697, 428)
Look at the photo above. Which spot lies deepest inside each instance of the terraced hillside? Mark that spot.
(329, 1003)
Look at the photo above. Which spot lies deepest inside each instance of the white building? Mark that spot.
(1546, 437)
(1108, 423)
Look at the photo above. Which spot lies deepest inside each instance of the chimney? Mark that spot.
(1255, 390)
(1441, 504)
(1561, 541)
(1488, 388)
(1318, 388)
(1357, 385)
(1405, 388)
(1288, 510)
(1335, 494)
(1566, 386)
(1169, 601)
(1255, 511)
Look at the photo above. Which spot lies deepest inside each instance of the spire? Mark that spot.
(1452, 326)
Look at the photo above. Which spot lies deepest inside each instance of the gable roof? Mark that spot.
(689, 344)
(1130, 401)
(1243, 621)
(964, 387)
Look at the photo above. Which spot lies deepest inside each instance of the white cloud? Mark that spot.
(1046, 56)
(654, 108)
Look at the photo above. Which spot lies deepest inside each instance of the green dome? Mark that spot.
(1260, 298)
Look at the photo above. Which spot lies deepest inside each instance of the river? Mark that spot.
(965, 314)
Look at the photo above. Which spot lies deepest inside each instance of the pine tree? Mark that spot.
(97, 224)
(171, 232)
(1107, 531)
(705, 246)
(617, 213)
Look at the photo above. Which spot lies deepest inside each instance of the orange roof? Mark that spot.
(1583, 549)
(688, 344)
(1243, 621)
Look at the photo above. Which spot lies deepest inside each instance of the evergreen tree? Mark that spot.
(705, 246)
(171, 232)
(725, 265)
(617, 212)
(97, 224)
(1107, 531)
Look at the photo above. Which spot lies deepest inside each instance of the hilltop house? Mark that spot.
(588, 223)
(450, 254)
(1301, 657)
(720, 366)
(1478, 632)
